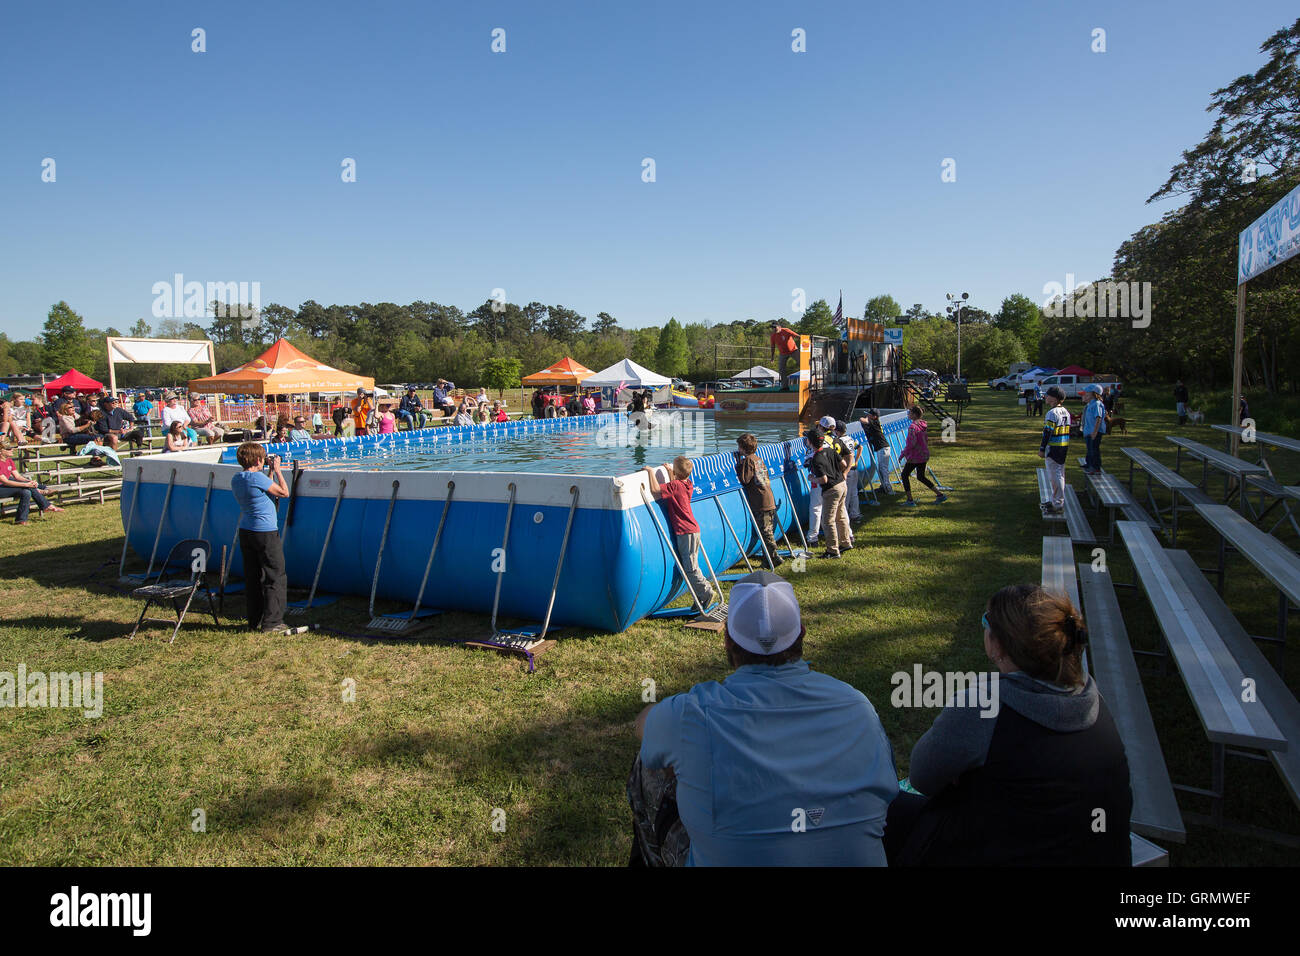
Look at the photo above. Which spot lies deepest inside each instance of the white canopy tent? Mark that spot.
(757, 371)
(626, 373)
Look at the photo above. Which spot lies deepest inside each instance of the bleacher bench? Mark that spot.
(1045, 495)
(1155, 807)
(1271, 689)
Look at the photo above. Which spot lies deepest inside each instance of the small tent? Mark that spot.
(626, 373)
(756, 372)
(82, 383)
(1075, 370)
(564, 372)
(281, 370)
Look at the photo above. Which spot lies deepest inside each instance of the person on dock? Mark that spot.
(1016, 767)
(786, 341)
(1055, 449)
(777, 765)
(676, 497)
(916, 458)
(754, 478)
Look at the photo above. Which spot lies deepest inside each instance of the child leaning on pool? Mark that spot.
(758, 491)
(267, 583)
(676, 496)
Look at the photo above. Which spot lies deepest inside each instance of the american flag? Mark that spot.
(838, 318)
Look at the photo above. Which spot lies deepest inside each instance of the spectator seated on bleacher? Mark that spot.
(177, 438)
(411, 410)
(776, 765)
(173, 411)
(1026, 780)
(202, 421)
(26, 490)
(115, 426)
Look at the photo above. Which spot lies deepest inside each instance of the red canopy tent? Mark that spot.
(82, 383)
(1074, 370)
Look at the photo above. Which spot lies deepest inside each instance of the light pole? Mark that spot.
(958, 303)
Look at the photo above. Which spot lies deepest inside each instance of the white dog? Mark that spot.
(1197, 418)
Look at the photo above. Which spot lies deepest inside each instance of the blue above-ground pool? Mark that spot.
(393, 491)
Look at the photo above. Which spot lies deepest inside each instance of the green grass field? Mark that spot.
(255, 732)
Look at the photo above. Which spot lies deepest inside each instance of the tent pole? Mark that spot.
(1234, 414)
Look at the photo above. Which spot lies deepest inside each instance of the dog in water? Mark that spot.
(1196, 418)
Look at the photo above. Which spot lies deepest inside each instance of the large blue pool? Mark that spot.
(508, 497)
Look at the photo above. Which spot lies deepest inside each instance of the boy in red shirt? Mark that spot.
(676, 498)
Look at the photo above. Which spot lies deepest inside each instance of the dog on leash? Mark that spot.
(1196, 418)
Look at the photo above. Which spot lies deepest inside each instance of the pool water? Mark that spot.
(599, 445)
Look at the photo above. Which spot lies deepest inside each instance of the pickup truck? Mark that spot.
(1005, 383)
(1073, 385)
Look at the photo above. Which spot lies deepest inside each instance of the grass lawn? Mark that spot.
(256, 734)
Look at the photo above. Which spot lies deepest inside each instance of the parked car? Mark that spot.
(1005, 383)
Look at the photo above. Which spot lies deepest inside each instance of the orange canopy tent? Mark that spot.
(564, 372)
(281, 370)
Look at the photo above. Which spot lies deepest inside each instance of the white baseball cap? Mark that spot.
(763, 617)
(826, 422)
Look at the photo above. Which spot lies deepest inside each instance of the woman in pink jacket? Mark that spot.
(916, 455)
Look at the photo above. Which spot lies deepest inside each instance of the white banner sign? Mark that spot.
(158, 351)
(893, 336)
(1271, 239)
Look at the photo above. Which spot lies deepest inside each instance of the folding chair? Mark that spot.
(179, 577)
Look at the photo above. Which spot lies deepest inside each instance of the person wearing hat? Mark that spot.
(361, 409)
(1094, 426)
(777, 765)
(203, 422)
(824, 424)
(142, 409)
(827, 467)
(850, 471)
(411, 409)
(174, 411)
(115, 426)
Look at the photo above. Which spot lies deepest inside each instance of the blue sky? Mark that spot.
(775, 170)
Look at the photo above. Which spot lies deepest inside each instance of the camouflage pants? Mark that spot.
(659, 838)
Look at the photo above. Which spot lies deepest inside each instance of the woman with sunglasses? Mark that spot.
(1028, 770)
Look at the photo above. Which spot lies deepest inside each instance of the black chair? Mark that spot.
(179, 578)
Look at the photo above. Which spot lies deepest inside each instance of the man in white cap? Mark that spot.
(1093, 427)
(776, 765)
(827, 425)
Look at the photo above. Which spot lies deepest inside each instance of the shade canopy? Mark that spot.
(564, 372)
(281, 370)
(627, 373)
(82, 383)
(1074, 370)
(757, 371)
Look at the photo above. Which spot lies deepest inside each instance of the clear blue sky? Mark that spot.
(522, 170)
